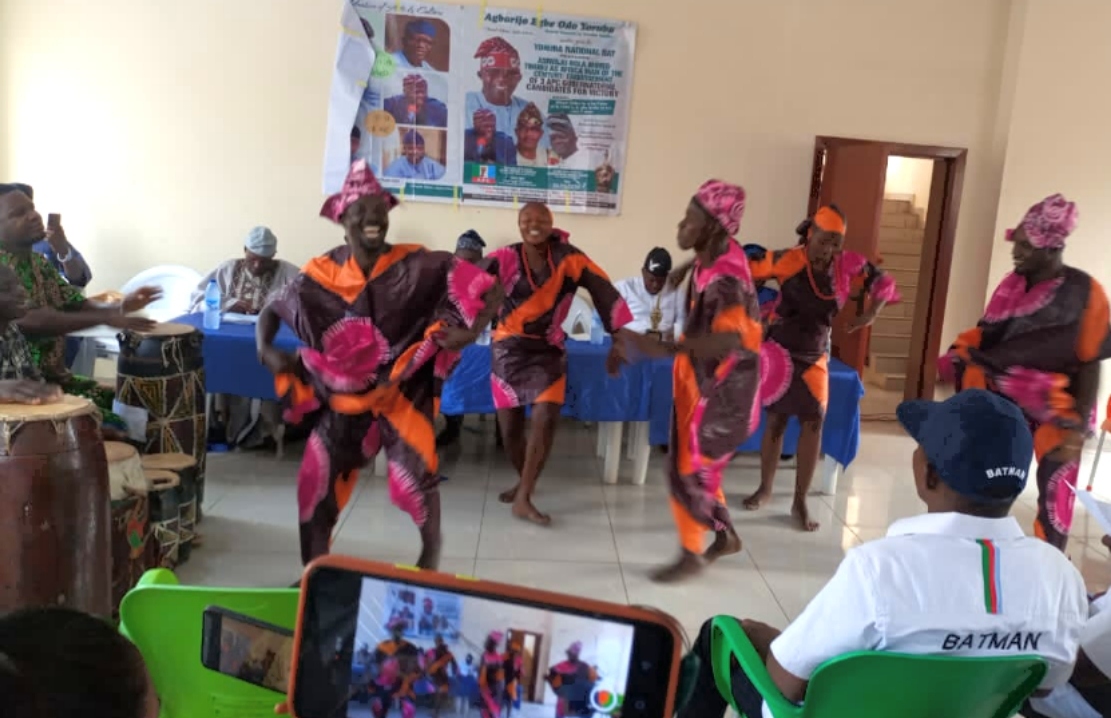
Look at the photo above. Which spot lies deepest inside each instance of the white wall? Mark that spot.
(1057, 139)
(163, 131)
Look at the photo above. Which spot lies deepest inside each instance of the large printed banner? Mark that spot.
(484, 106)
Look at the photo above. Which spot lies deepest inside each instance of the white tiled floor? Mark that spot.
(604, 539)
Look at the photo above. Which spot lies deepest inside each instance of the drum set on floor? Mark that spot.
(82, 518)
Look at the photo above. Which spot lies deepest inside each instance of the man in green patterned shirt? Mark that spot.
(56, 308)
(20, 380)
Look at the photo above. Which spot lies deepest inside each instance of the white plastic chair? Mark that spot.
(177, 284)
(581, 312)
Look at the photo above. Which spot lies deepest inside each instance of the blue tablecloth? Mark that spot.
(231, 361)
(840, 433)
(592, 395)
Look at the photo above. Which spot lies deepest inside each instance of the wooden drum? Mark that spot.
(55, 540)
(165, 515)
(162, 371)
(133, 552)
(185, 467)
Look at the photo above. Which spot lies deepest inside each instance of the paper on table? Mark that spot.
(236, 318)
(1101, 510)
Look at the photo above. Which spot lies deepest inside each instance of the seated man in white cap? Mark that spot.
(246, 285)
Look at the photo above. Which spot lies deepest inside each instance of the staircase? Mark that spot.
(900, 246)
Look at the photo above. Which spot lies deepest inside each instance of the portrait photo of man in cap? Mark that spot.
(414, 162)
(421, 44)
(414, 106)
(499, 69)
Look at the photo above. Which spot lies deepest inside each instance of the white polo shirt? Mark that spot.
(947, 584)
(641, 304)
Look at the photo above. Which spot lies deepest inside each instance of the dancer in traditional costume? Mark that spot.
(573, 681)
(398, 663)
(491, 677)
(716, 376)
(1039, 343)
(512, 667)
(529, 367)
(382, 326)
(442, 668)
(815, 280)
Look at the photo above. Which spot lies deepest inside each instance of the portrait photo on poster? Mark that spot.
(420, 154)
(418, 43)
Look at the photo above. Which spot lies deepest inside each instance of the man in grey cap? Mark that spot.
(246, 285)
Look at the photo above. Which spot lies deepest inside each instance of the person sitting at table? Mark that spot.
(942, 583)
(815, 279)
(246, 285)
(657, 308)
(20, 380)
(56, 306)
(528, 358)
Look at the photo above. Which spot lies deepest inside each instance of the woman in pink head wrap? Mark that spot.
(573, 681)
(491, 677)
(1039, 343)
(716, 377)
(529, 366)
(816, 279)
(382, 325)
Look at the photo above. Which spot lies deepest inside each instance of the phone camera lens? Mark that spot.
(640, 705)
(646, 666)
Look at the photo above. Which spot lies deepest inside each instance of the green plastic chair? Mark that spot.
(883, 685)
(164, 619)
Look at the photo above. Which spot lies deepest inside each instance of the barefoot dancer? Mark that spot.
(1039, 343)
(529, 366)
(716, 377)
(815, 279)
(382, 325)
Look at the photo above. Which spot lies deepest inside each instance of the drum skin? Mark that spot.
(55, 514)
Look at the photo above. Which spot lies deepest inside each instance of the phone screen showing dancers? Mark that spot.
(377, 647)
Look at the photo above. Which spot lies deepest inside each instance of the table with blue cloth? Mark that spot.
(840, 431)
(592, 395)
(231, 361)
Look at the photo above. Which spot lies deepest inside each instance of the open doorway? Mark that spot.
(902, 202)
(530, 644)
(906, 198)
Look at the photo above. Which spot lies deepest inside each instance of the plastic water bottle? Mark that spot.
(212, 306)
(597, 331)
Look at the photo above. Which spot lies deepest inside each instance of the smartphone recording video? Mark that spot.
(425, 651)
(250, 650)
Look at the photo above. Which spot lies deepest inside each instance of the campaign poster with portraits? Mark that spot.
(477, 105)
(426, 613)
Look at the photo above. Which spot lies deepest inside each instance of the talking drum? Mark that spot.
(55, 541)
(162, 372)
(165, 515)
(132, 550)
(185, 467)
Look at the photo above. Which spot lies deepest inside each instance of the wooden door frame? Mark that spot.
(937, 251)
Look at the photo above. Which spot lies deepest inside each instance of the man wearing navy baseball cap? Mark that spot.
(960, 580)
(657, 308)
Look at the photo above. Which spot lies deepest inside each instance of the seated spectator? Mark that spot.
(62, 255)
(414, 106)
(1088, 692)
(56, 307)
(20, 380)
(959, 580)
(657, 308)
(59, 663)
(246, 285)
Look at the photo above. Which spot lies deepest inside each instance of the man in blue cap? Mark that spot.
(412, 164)
(960, 580)
(416, 45)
